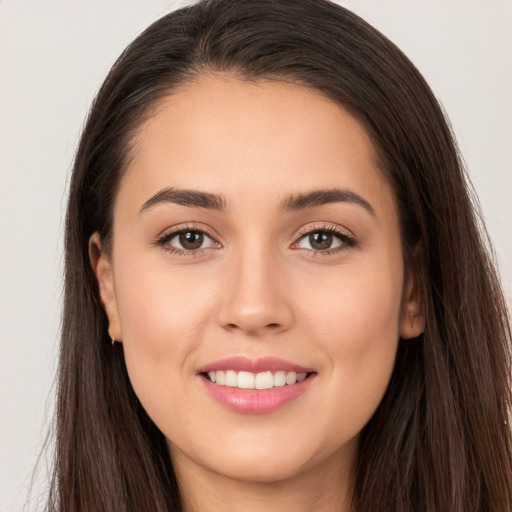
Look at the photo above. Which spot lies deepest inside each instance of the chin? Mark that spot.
(266, 460)
(262, 469)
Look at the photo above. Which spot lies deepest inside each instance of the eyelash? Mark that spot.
(347, 240)
(163, 241)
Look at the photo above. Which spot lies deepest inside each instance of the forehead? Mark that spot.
(221, 134)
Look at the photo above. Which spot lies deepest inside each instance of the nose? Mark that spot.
(255, 301)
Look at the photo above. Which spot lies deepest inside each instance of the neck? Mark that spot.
(321, 488)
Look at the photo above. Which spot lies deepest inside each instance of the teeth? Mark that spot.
(231, 379)
(248, 380)
(220, 378)
(264, 380)
(291, 378)
(279, 379)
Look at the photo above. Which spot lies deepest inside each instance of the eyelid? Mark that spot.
(169, 233)
(324, 226)
(346, 236)
(187, 226)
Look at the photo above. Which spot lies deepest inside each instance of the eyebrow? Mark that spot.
(320, 197)
(192, 198)
(295, 202)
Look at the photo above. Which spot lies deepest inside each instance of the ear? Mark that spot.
(412, 319)
(102, 268)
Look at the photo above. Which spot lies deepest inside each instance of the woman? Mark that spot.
(276, 292)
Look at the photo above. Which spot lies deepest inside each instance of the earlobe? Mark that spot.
(412, 321)
(102, 268)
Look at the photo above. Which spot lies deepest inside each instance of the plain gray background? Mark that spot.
(53, 57)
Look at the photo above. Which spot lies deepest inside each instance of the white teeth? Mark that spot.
(262, 380)
(231, 379)
(279, 379)
(246, 380)
(291, 378)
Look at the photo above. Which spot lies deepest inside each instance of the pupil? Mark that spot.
(191, 240)
(320, 240)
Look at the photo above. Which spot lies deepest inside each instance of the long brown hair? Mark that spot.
(441, 438)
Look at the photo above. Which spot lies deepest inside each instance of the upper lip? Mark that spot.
(261, 364)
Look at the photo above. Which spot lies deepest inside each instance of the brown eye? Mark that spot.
(191, 240)
(187, 240)
(320, 240)
(325, 241)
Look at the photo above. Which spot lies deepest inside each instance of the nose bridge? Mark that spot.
(255, 301)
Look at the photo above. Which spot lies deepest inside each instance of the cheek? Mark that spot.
(163, 315)
(158, 304)
(357, 326)
(358, 303)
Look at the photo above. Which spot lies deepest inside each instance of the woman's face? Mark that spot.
(255, 241)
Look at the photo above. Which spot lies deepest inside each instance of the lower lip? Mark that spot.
(256, 400)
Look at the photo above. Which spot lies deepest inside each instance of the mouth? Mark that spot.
(255, 385)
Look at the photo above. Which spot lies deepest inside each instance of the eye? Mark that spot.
(325, 240)
(186, 240)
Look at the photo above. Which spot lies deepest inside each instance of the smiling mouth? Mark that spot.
(249, 380)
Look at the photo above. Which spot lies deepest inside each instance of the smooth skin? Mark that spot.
(257, 283)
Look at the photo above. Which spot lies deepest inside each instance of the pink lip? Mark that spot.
(255, 400)
(262, 364)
